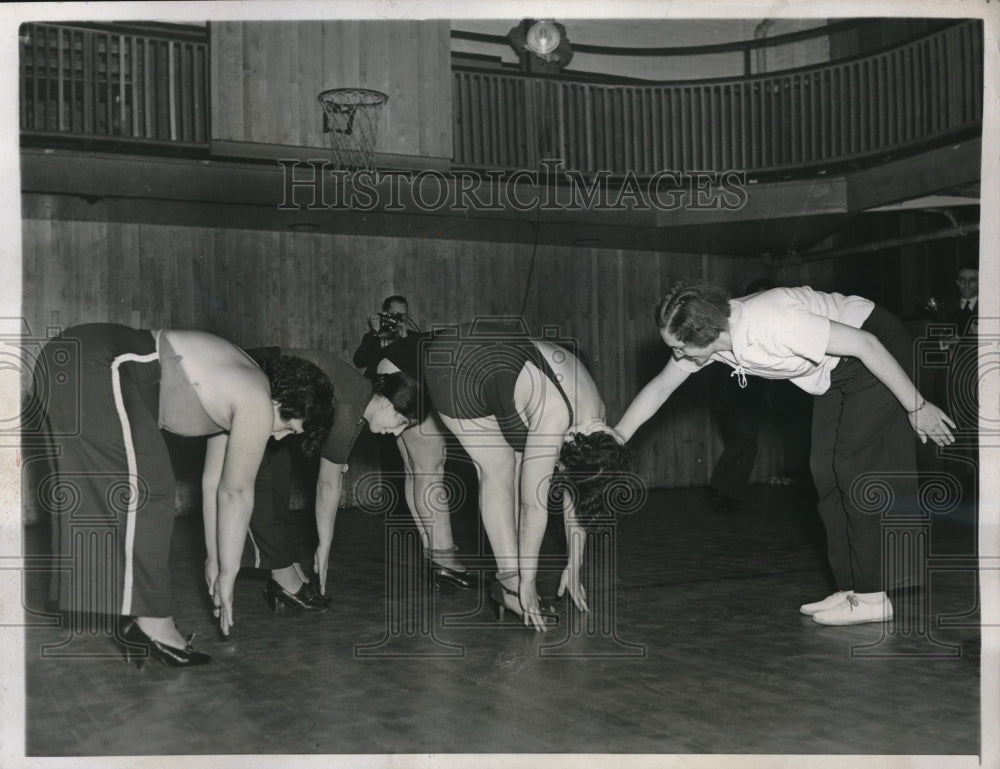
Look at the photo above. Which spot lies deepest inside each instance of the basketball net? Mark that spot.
(350, 118)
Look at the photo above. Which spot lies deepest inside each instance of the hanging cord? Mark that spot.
(524, 304)
(531, 263)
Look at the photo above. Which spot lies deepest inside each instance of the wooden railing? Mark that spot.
(920, 92)
(115, 83)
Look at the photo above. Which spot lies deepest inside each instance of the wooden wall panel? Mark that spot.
(314, 290)
(266, 75)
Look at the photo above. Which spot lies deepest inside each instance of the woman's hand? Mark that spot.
(223, 600)
(211, 576)
(321, 562)
(929, 421)
(570, 581)
(532, 613)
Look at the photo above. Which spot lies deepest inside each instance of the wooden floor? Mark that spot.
(694, 645)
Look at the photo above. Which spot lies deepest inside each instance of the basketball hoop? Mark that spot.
(350, 117)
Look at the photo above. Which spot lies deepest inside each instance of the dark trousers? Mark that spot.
(270, 543)
(962, 399)
(863, 460)
(741, 413)
(112, 492)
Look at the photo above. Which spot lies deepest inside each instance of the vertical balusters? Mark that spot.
(50, 118)
(852, 105)
(685, 158)
(714, 127)
(724, 158)
(105, 79)
(973, 66)
(87, 52)
(198, 87)
(587, 160)
(133, 83)
(172, 89)
(795, 97)
(149, 51)
(62, 123)
(674, 127)
(122, 97)
(909, 111)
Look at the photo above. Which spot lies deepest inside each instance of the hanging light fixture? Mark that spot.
(541, 45)
(543, 37)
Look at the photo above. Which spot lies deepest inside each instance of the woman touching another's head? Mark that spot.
(589, 462)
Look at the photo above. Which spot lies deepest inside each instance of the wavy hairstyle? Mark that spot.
(694, 311)
(589, 464)
(304, 392)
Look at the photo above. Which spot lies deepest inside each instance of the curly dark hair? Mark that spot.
(304, 392)
(589, 464)
(694, 311)
(402, 391)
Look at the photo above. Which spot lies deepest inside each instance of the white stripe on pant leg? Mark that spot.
(133, 473)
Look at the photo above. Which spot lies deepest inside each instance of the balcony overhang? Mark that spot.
(687, 213)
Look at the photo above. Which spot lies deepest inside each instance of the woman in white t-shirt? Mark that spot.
(852, 355)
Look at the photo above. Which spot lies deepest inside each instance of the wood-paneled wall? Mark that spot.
(272, 71)
(315, 290)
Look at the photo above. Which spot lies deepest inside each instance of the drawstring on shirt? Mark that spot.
(741, 376)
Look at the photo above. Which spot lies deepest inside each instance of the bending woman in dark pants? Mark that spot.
(108, 391)
(271, 544)
(856, 357)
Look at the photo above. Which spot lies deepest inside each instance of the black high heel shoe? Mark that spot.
(463, 580)
(170, 656)
(304, 600)
(316, 594)
(497, 592)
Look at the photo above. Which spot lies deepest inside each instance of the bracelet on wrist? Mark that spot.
(922, 404)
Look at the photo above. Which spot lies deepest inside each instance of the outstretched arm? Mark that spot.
(215, 456)
(650, 398)
(541, 452)
(251, 427)
(927, 419)
(329, 488)
(576, 541)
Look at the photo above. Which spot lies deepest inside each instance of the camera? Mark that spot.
(389, 323)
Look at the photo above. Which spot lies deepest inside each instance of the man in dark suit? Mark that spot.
(962, 379)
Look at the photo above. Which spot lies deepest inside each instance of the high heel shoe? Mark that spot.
(440, 574)
(170, 656)
(316, 594)
(304, 600)
(498, 592)
(463, 580)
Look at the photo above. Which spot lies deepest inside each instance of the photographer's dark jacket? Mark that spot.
(369, 353)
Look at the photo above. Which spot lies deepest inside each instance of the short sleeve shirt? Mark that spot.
(783, 334)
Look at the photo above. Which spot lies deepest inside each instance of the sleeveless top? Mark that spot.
(471, 371)
(181, 411)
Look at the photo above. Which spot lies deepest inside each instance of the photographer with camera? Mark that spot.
(388, 326)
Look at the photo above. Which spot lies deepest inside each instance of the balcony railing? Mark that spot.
(921, 92)
(115, 83)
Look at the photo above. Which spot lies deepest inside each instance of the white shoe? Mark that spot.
(857, 609)
(827, 603)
